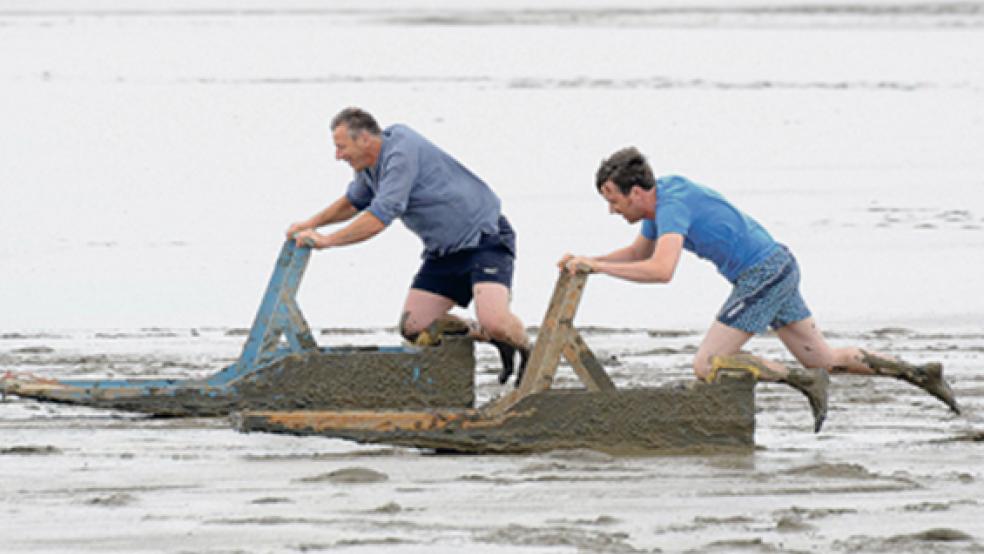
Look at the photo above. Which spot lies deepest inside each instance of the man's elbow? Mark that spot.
(374, 223)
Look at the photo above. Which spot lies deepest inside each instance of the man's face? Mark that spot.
(622, 204)
(353, 151)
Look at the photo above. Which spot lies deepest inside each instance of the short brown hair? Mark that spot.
(626, 168)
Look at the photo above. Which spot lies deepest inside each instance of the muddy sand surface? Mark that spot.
(892, 470)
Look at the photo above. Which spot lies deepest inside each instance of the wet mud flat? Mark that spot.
(892, 470)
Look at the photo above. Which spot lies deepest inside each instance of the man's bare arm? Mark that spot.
(658, 268)
(640, 249)
(337, 211)
(364, 227)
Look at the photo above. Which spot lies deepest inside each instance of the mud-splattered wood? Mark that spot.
(674, 419)
(586, 365)
(557, 337)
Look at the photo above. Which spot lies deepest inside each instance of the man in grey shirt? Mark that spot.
(469, 246)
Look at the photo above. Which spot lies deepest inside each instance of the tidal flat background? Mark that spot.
(153, 153)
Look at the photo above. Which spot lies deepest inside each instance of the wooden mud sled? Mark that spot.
(283, 368)
(676, 418)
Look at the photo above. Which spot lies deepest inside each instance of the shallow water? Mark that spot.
(153, 155)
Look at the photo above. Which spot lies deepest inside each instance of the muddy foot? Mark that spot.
(814, 384)
(431, 336)
(929, 377)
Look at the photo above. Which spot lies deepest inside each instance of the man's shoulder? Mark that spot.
(673, 188)
(674, 182)
(400, 131)
(399, 138)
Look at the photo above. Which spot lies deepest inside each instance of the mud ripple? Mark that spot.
(740, 545)
(571, 537)
(271, 520)
(792, 524)
(813, 513)
(114, 500)
(29, 450)
(348, 475)
(974, 435)
(388, 508)
(272, 500)
(841, 471)
(940, 539)
(936, 506)
(600, 520)
(33, 350)
(344, 543)
(703, 522)
(316, 456)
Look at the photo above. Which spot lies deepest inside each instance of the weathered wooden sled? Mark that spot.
(676, 418)
(290, 374)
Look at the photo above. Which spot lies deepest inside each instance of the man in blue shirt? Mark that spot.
(469, 246)
(678, 215)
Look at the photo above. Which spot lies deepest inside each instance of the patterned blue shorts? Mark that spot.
(766, 294)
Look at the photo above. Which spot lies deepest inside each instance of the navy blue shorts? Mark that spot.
(454, 275)
(766, 295)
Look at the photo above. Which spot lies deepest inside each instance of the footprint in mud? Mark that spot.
(348, 475)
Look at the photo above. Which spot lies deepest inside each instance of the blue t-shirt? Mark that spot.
(712, 228)
(436, 197)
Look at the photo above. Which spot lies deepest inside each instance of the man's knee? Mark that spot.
(496, 329)
(409, 327)
(702, 365)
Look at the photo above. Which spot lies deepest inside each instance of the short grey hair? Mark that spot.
(356, 120)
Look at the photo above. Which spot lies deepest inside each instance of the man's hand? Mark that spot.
(562, 264)
(297, 228)
(570, 263)
(310, 238)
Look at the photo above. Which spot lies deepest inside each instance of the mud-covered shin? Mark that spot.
(928, 377)
(812, 382)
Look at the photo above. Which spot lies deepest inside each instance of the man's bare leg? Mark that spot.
(720, 350)
(498, 325)
(420, 310)
(807, 344)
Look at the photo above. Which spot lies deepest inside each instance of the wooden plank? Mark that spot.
(586, 365)
(550, 342)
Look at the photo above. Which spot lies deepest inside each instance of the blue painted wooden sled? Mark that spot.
(289, 374)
